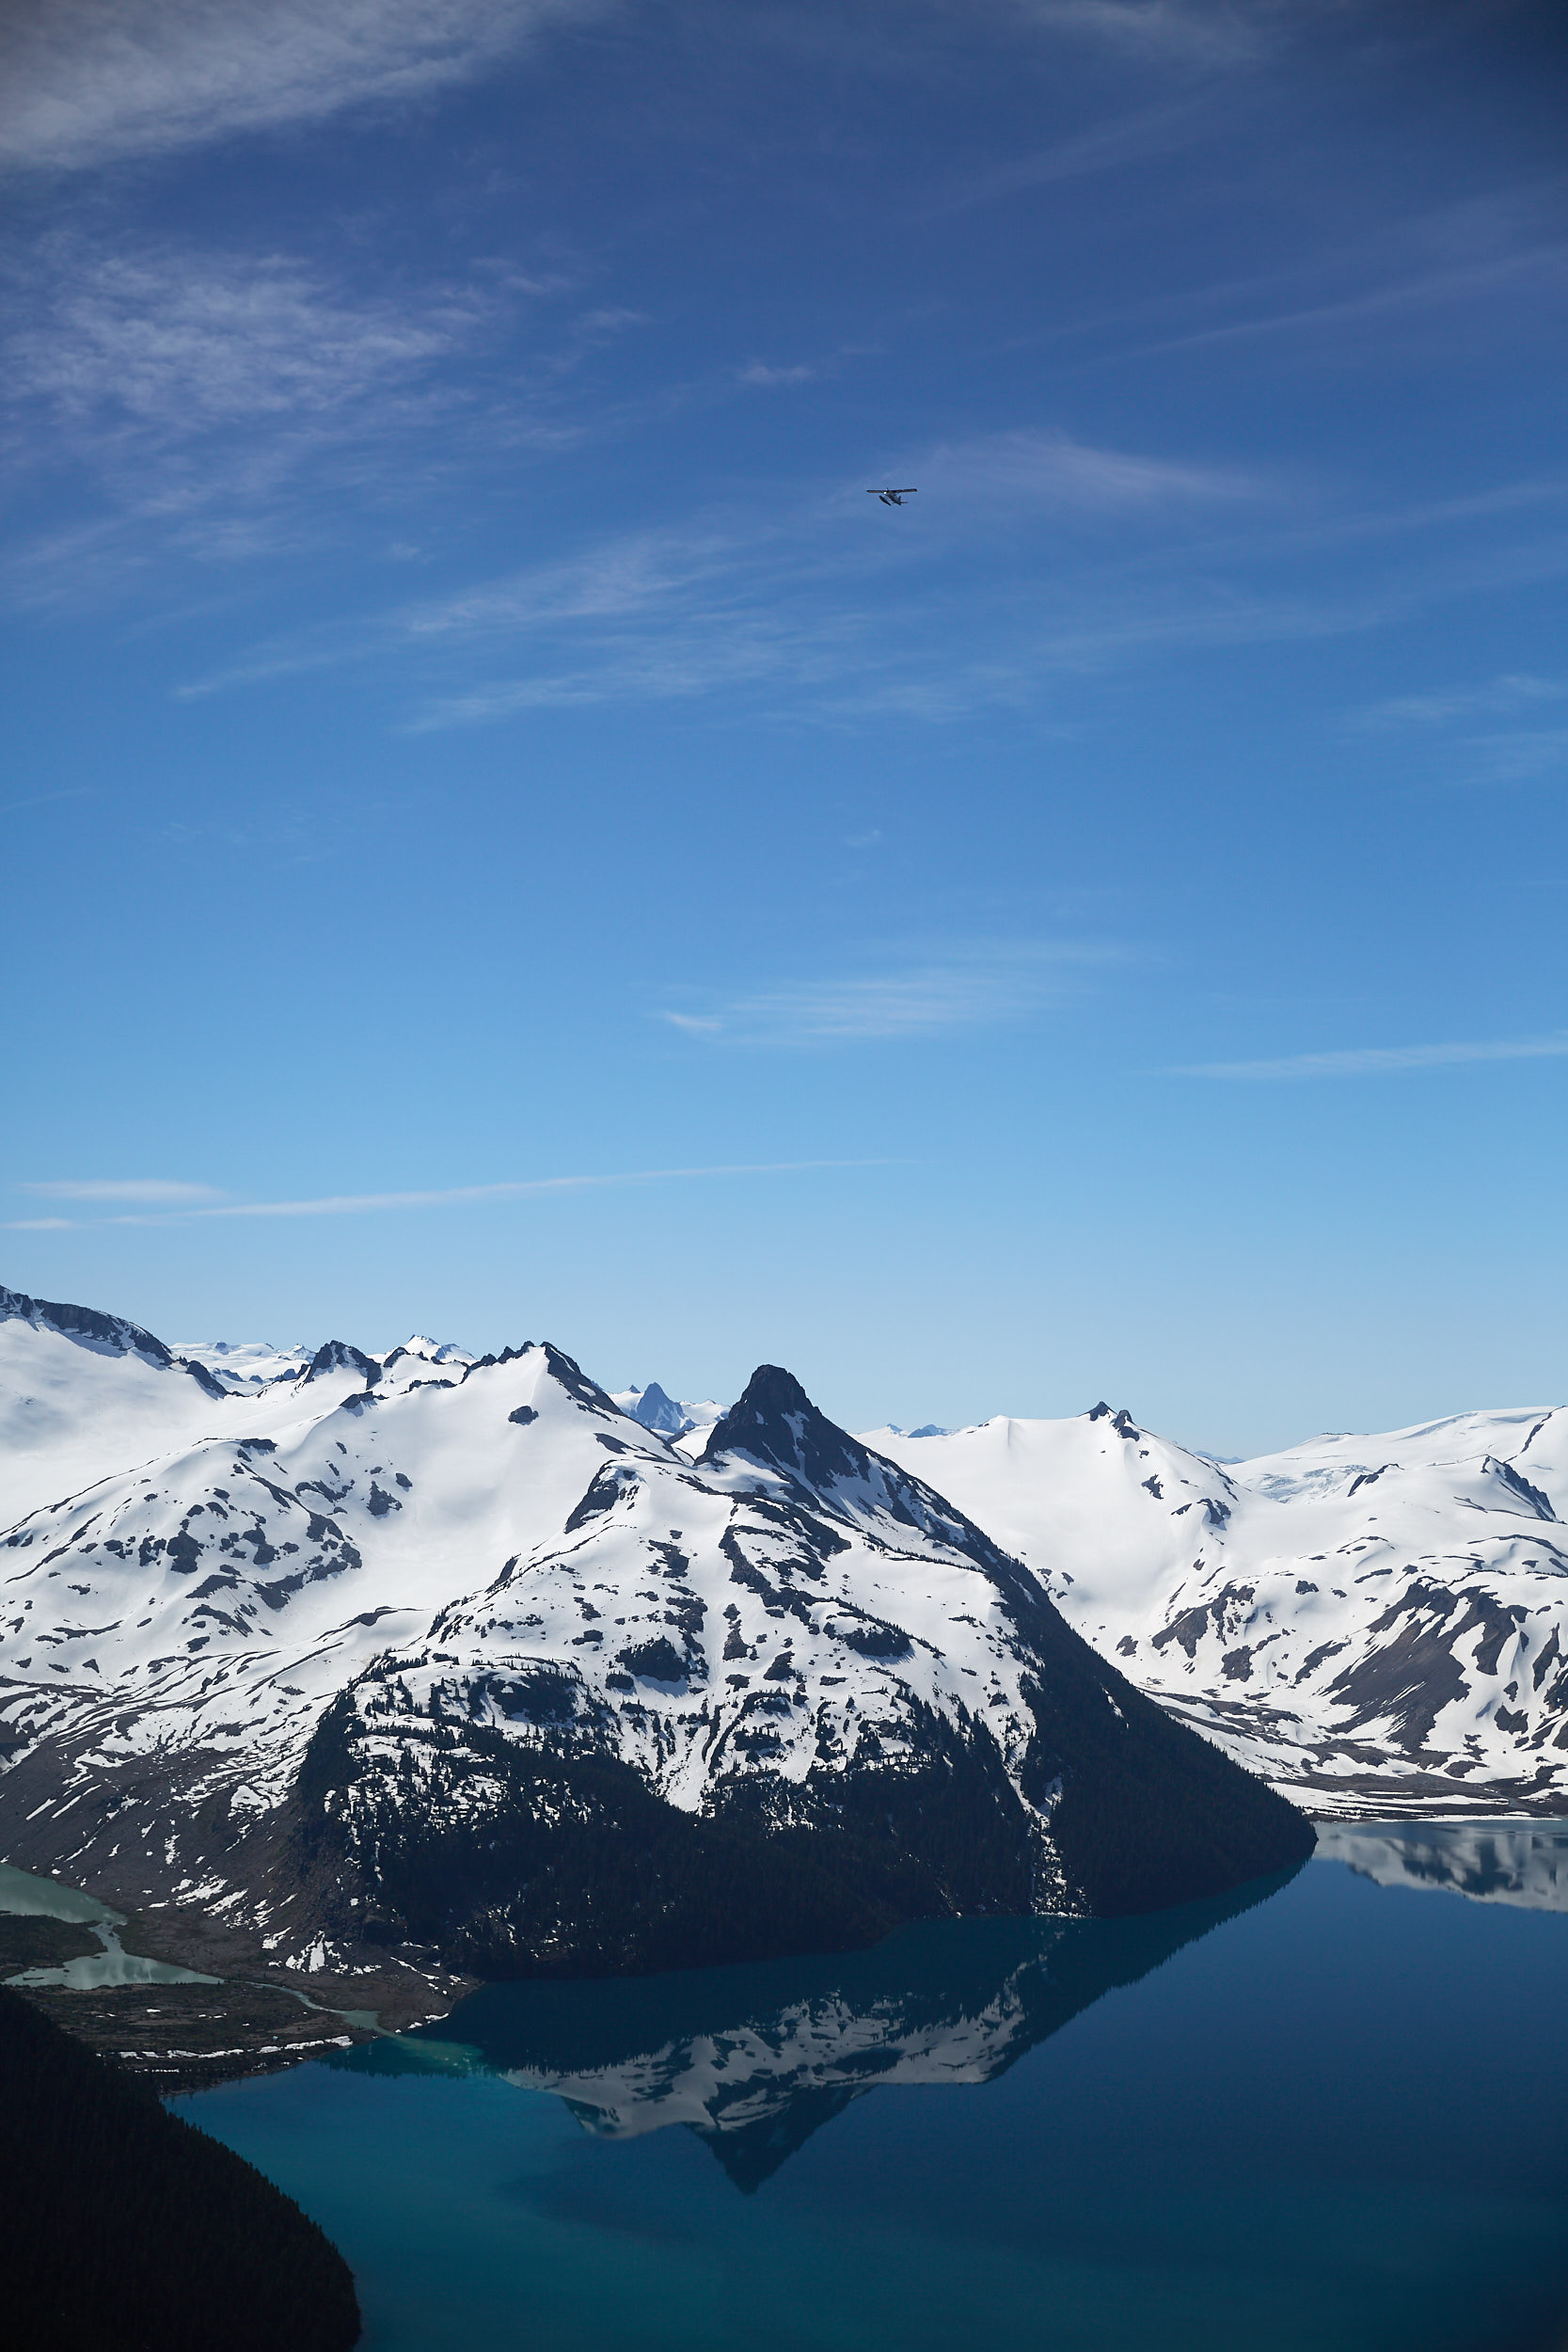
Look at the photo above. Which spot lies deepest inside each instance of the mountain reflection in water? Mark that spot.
(755, 2059)
(1492, 1862)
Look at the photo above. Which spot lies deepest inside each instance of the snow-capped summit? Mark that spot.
(430, 1351)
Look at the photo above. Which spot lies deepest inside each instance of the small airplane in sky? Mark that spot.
(892, 498)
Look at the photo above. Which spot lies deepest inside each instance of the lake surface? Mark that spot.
(23, 1895)
(1331, 2114)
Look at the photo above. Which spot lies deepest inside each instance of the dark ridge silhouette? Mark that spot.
(125, 2226)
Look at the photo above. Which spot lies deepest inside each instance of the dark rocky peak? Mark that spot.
(773, 1420)
(775, 1424)
(1121, 1419)
(338, 1355)
(106, 1335)
(659, 1412)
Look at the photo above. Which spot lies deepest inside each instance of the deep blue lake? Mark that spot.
(1331, 2114)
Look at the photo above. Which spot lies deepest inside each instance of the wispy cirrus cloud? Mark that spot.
(46, 800)
(1123, 142)
(1499, 697)
(150, 1191)
(1435, 277)
(817, 594)
(1521, 755)
(618, 577)
(1053, 469)
(1189, 32)
(184, 340)
(1499, 754)
(1373, 1061)
(187, 399)
(173, 1203)
(622, 575)
(760, 372)
(847, 614)
(88, 82)
(1450, 287)
(962, 989)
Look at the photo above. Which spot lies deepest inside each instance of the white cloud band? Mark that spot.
(199, 1201)
(85, 81)
(1371, 1062)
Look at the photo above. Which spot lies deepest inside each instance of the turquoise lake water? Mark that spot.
(1332, 2114)
(26, 1897)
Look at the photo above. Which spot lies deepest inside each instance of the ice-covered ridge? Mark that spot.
(1373, 1621)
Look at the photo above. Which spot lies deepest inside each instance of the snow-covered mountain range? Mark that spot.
(452, 1651)
(1377, 1624)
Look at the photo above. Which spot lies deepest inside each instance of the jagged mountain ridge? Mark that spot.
(1373, 1624)
(462, 1651)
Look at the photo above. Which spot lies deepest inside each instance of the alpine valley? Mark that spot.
(449, 1661)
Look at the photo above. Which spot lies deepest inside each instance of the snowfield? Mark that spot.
(1374, 1624)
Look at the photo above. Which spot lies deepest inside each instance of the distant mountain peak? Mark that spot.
(657, 1411)
(339, 1355)
(432, 1351)
(667, 1416)
(1121, 1419)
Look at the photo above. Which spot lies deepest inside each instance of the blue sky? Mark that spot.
(505, 838)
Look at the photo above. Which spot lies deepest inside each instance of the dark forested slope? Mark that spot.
(126, 2228)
